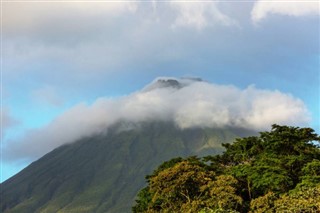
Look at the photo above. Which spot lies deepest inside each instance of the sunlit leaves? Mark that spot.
(277, 171)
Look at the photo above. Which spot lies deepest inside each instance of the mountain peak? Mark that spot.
(169, 82)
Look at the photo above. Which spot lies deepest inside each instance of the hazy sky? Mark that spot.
(70, 63)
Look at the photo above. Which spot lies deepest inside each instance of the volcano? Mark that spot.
(98, 155)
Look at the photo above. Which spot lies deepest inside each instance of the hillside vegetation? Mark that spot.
(277, 171)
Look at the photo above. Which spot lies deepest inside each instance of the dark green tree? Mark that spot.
(272, 161)
(257, 174)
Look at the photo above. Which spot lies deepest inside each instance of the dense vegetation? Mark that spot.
(277, 171)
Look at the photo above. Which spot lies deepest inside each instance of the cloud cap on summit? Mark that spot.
(188, 102)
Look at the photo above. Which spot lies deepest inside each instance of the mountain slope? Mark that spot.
(102, 173)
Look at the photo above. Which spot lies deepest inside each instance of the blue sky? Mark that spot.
(56, 55)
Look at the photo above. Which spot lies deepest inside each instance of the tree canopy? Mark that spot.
(275, 171)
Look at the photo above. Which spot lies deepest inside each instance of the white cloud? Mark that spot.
(27, 18)
(70, 38)
(262, 8)
(198, 14)
(188, 103)
(22, 17)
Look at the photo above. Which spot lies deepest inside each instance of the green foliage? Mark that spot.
(272, 161)
(187, 186)
(310, 174)
(301, 199)
(263, 204)
(179, 186)
(142, 201)
(305, 199)
(208, 210)
(254, 174)
(221, 193)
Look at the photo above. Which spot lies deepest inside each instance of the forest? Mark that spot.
(276, 171)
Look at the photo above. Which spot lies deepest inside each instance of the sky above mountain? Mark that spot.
(69, 63)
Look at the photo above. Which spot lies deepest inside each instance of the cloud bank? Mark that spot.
(195, 14)
(70, 38)
(187, 102)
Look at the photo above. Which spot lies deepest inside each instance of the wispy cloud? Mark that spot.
(262, 9)
(7, 120)
(187, 103)
(199, 14)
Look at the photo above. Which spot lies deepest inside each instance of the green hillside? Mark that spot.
(103, 173)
